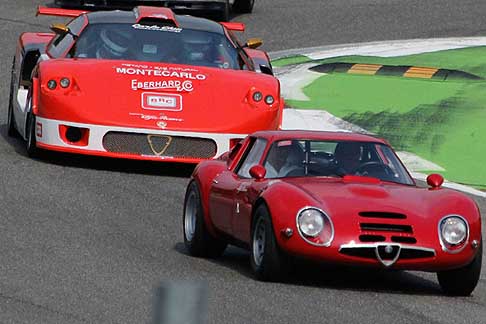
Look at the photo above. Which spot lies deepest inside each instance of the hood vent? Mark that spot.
(387, 215)
(372, 227)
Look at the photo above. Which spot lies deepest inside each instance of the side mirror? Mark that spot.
(254, 43)
(60, 29)
(435, 181)
(258, 172)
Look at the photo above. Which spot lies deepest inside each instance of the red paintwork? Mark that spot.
(234, 26)
(204, 110)
(46, 11)
(342, 199)
(155, 12)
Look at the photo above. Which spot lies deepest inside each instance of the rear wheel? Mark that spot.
(243, 6)
(224, 14)
(198, 241)
(462, 281)
(267, 261)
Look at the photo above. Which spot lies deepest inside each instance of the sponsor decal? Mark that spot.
(161, 124)
(158, 28)
(161, 72)
(161, 117)
(175, 85)
(161, 101)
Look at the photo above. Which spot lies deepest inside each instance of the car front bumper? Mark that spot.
(131, 143)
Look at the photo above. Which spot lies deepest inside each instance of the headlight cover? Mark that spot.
(453, 233)
(314, 226)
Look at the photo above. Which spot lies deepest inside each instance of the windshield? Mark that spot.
(296, 158)
(153, 43)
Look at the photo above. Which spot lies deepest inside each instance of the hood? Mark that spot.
(156, 95)
(347, 199)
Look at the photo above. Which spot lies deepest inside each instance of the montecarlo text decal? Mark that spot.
(171, 77)
(158, 28)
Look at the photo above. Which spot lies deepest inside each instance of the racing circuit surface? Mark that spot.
(85, 240)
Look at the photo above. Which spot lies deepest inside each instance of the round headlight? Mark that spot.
(269, 100)
(453, 230)
(257, 96)
(311, 222)
(64, 82)
(52, 84)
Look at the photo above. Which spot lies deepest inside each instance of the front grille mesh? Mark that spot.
(159, 145)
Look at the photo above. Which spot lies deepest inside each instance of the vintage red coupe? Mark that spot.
(144, 84)
(340, 198)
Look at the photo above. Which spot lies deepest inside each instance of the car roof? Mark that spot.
(130, 17)
(317, 135)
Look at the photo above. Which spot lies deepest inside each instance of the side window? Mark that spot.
(62, 43)
(252, 156)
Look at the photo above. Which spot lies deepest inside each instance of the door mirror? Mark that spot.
(254, 43)
(60, 29)
(435, 181)
(258, 172)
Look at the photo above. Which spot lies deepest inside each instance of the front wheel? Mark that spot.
(462, 281)
(243, 6)
(267, 261)
(11, 131)
(31, 146)
(198, 241)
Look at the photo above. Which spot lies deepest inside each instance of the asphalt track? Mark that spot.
(86, 240)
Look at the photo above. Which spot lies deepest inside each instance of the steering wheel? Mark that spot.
(375, 169)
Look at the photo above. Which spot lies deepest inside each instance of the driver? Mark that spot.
(348, 157)
(114, 44)
(284, 158)
(197, 49)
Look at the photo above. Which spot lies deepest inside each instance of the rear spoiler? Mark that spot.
(234, 26)
(46, 11)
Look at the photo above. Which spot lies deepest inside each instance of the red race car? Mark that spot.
(142, 84)
(340, 198)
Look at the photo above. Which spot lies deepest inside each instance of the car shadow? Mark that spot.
(100, 163)
(311, 274)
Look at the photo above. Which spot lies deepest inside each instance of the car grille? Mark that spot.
(385, 227)
(377, 251)
(159, 145)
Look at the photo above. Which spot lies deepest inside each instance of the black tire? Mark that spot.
(243, 6)
(198, 241)
(31, 146)
(11, 131)
(462, 281)
(224, 14)
(267, 261)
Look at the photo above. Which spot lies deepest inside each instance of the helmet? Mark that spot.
(197, 46)
(114, 43)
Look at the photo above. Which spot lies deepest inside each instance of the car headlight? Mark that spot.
(453, 232)
(315, 226)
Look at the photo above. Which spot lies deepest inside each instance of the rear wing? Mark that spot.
(59, 12)
(234, 26)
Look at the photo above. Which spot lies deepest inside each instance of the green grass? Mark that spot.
(440, 121)
(290, 60)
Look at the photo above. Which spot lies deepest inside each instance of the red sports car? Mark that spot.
(341, 198)
(141, 84)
